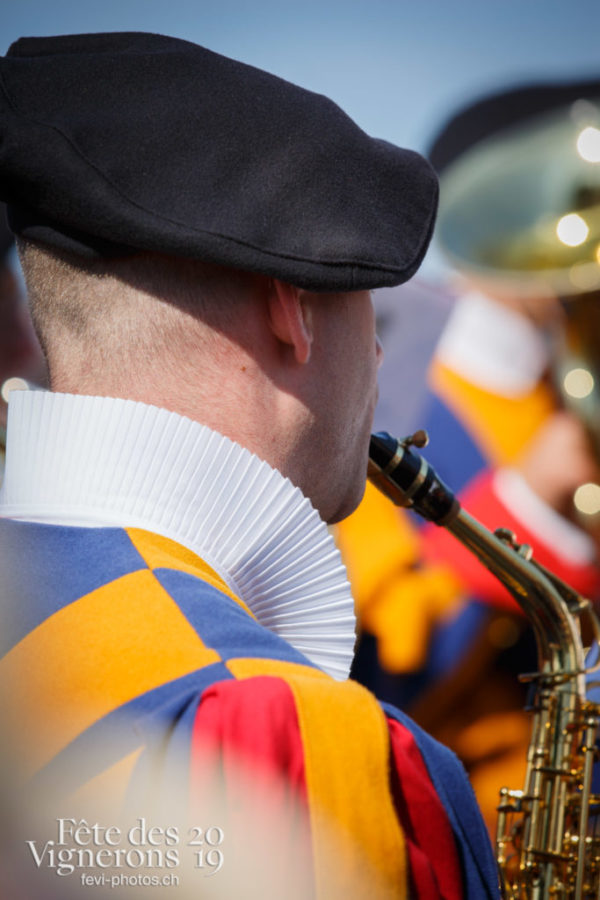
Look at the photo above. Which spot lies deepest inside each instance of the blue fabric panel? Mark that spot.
(44, 568)
(453, 638)
(452, 451)
(148, 719)
(233, 635)
(592, 687)
(451, 641)
(165, 762)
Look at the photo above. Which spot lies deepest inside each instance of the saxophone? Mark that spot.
(548, 833)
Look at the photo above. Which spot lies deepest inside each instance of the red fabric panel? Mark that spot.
(434, 864)
(246, 743)
(247, 766)
(481, 502)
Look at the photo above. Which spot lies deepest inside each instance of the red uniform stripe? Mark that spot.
(434, 864)
(247, 770)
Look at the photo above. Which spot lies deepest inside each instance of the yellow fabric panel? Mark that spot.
(395, 601)
(347, 776)
(358, 844)
(88, 659)
(377, 538)
(249, 667)
(494, 749)
(501, 426)
(158, 552)
(409, 606)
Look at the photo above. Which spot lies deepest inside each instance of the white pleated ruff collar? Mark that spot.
(99, 461)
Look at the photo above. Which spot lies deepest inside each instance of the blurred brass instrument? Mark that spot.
(547, 844)
(520, 217)
(520, 210)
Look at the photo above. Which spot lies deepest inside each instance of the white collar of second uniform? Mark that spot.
(495, 347)
(99, 461)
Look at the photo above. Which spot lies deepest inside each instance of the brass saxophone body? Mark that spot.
(547, 845)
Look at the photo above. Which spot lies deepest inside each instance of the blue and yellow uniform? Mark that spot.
(133, 644)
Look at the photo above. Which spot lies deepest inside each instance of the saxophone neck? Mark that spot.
(406, 477)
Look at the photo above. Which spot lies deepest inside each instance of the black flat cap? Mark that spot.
(497, 112)
(111, 143)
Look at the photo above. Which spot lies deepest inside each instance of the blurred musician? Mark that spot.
(441, 637)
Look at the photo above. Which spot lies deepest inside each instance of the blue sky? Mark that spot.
(398, 67)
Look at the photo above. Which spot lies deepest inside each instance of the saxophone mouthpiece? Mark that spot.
(404, 476)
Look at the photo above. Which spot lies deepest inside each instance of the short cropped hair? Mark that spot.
(112, 309)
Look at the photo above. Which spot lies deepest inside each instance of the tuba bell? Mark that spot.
(520, 209)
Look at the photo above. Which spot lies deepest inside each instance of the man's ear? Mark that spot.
(290, 319)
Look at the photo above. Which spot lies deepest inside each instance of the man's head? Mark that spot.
(288, 373)
(201, 235)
